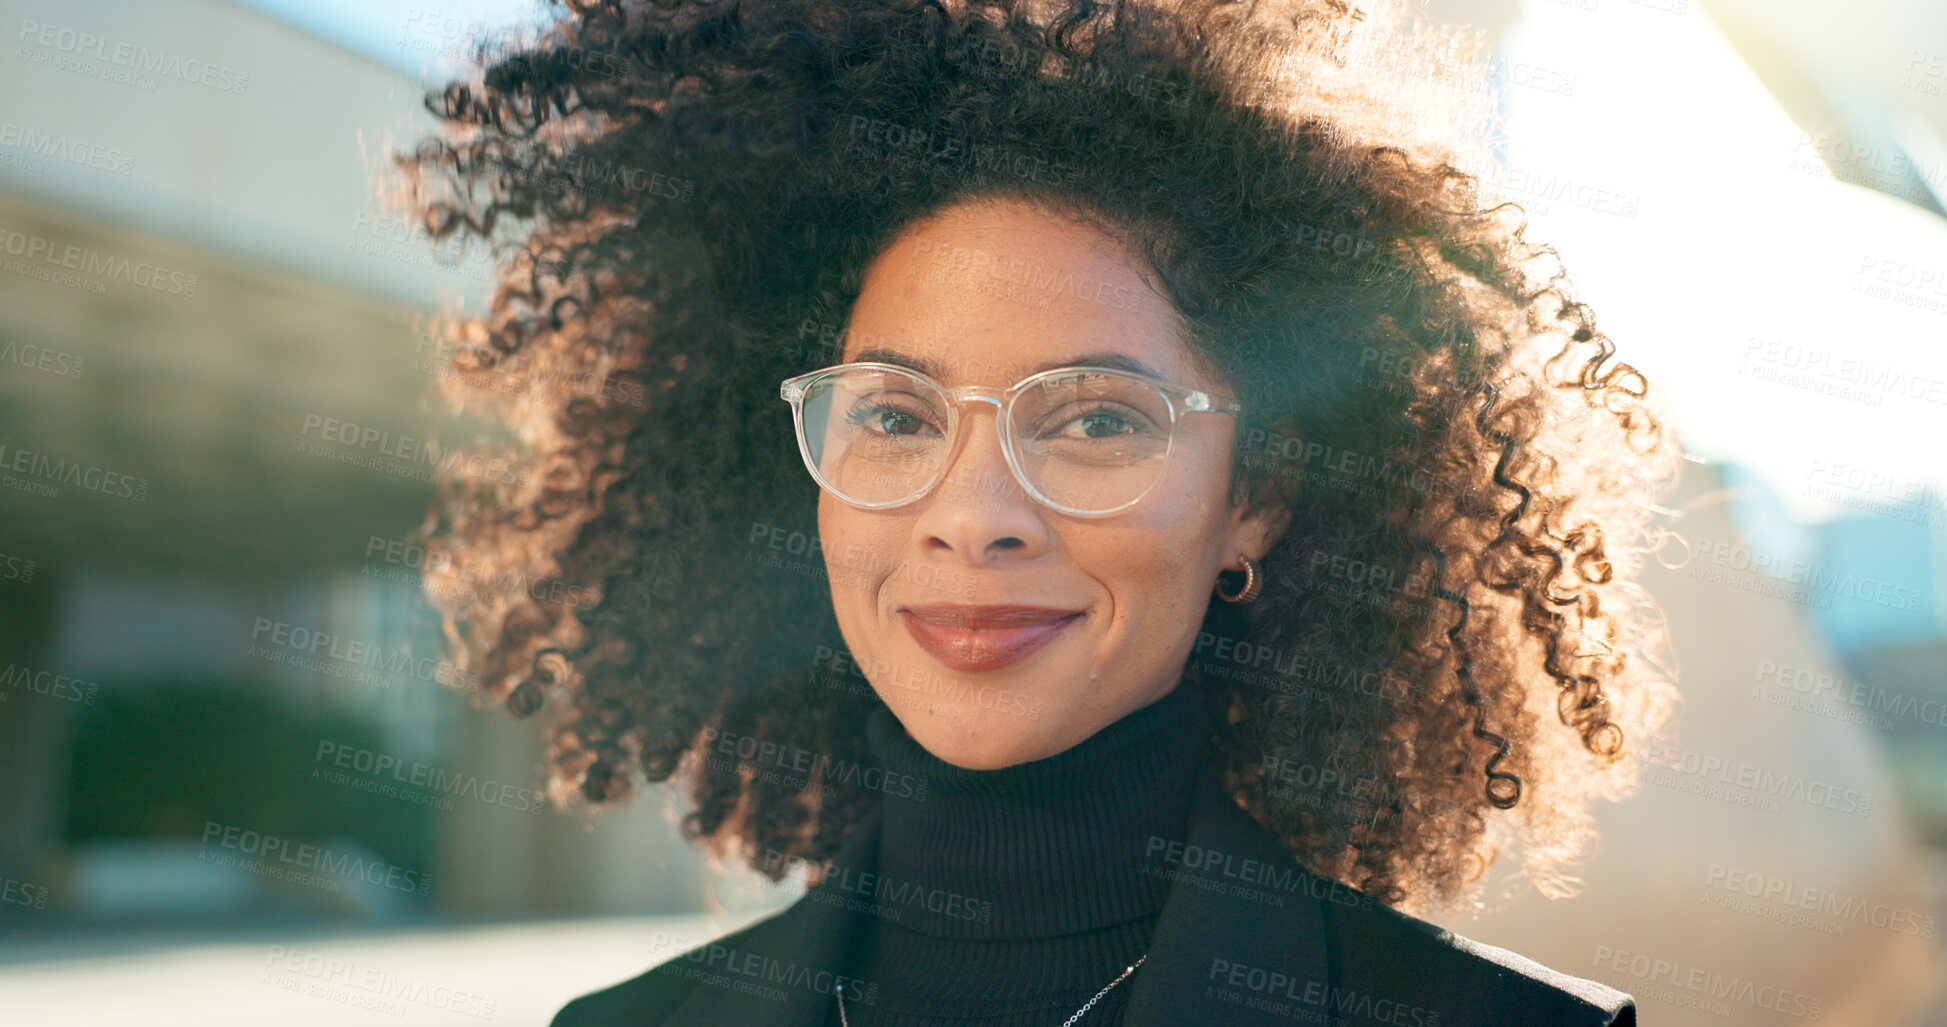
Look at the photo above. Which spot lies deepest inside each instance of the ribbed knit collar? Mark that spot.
(1049, 847)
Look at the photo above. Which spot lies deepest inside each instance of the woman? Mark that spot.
(1076, 316)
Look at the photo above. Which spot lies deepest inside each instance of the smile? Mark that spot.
(976, 638)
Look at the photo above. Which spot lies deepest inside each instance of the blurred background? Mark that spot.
(238, 784)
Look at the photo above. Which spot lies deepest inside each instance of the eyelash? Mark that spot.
(863, 413)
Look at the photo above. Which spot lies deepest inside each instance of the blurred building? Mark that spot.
(210, 313)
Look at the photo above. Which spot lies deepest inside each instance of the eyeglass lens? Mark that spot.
(1086, 440)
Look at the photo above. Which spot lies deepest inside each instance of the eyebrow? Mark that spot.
(932, 369)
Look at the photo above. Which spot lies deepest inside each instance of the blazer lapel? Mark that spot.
(798, 952)
(1241, 933)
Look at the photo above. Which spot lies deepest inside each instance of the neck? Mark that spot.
(1053, 846)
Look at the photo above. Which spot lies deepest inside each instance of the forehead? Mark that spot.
(990, 293)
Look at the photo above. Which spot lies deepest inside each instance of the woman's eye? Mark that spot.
(1103, 424)
(888, 420)
(898, 422)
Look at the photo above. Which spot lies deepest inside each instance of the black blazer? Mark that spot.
(1245, 938)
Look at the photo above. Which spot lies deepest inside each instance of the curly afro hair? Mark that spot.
(1447, 661)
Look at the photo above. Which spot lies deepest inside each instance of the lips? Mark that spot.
(976, 638)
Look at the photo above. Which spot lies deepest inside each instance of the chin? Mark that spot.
(980, 739)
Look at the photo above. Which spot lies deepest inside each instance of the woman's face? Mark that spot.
(987, 294)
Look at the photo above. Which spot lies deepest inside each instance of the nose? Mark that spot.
(979, 510)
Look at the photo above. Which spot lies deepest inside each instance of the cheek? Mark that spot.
(1158, 570)
(1182, 528)
(841, 530)
(858, 553)
(1154, 571)
(828, 526)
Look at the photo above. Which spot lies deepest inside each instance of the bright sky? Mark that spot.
(1798, 324)
(412, 37)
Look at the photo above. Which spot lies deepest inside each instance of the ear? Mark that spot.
(1253, 532)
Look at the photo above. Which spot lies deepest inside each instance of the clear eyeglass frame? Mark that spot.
(1180, 399)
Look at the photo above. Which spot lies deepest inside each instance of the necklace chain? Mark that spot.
(839, 992)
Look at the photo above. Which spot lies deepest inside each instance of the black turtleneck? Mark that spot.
(1019, 893)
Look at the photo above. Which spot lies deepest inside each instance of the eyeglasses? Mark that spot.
(1087, 441)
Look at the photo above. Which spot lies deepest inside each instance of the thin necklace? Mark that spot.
(839, 991)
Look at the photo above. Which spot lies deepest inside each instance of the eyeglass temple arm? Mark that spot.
(1194, 400)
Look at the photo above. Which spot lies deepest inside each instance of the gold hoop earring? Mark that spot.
(1253, 584)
